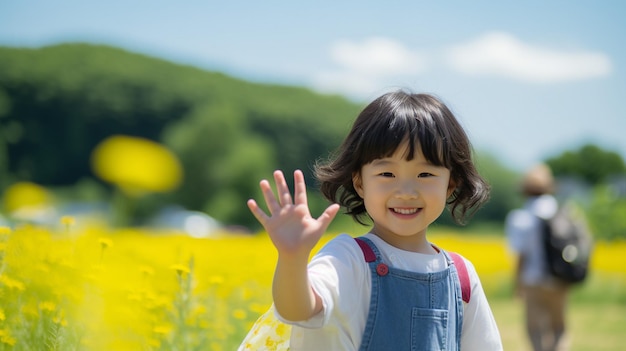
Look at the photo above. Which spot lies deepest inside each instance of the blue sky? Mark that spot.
(527, 79)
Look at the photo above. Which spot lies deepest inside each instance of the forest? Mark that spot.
(59, 104)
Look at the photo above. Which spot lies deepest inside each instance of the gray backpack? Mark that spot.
(568, 245)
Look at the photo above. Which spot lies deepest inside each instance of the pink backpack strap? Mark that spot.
(368, 253)
(466, 287)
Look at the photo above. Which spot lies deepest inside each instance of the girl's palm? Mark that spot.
(290, 225)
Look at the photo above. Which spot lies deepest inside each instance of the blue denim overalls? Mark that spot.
(412, 311)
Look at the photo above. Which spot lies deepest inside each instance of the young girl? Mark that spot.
(405, 159)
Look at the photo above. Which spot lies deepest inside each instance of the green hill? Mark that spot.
(58, 102)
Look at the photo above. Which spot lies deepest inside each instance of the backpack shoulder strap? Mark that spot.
(466, 287)
(459, 263)
(368, 253)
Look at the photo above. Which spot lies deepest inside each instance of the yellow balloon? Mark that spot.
(136, 165)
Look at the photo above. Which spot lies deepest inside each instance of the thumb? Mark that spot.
(329, 214)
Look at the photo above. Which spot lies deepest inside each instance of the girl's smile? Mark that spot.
(405, 211)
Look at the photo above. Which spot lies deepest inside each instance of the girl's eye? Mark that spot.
(425, 175)
(386, 174)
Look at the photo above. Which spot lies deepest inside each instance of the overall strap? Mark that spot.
(459, 263)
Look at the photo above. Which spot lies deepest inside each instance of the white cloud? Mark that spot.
(377, 57)
(500, 54)
(363, 67)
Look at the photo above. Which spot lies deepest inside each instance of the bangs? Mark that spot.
(404, 123)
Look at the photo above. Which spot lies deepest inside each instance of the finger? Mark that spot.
(299, 188)
(284, 195)
(268, 195)
(329, 214)
(258, 213)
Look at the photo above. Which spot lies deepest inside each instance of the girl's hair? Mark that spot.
(393, 118)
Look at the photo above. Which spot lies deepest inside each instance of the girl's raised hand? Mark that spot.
(290, 225)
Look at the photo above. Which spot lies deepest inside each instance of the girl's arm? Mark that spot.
(294, 298)
(294, 233)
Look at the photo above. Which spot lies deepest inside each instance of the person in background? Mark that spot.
(544, 297)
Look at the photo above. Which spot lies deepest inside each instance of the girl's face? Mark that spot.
(403, 197)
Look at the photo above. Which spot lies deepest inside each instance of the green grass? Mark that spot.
(592, 327)
(596, 317)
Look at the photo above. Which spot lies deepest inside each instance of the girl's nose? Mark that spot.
(407, 190)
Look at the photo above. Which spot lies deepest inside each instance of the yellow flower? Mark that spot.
(67, 221)
(199, 310)
(42, 268)
(7, 339)
(30, 310)
(137, 165)
(146, 270)
(105, 243)
(162, 329)
(60, 319)
(26, 196)
(154, 343)
(216, 279)
(180, 269)
(239, 314)
(257, 308)
(134, 296)
(11, 283)
(47, 306)
(2, 315)
(5, 231)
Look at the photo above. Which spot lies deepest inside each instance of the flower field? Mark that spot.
(93, 288)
